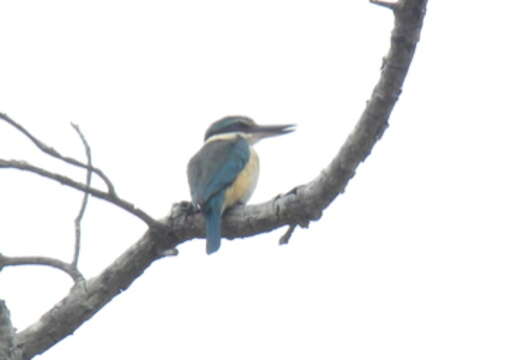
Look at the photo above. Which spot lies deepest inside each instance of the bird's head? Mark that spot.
(246, 127)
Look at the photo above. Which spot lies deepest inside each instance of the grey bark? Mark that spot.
(8, 349)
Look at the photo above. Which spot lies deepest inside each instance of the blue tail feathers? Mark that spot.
(213, 231)
(213, 213)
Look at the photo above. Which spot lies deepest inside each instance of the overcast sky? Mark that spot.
(409, 263)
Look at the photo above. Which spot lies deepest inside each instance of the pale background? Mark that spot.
(410, 263)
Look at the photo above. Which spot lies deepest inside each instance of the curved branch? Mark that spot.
(81, 213)
(52, 152)
(307, 202)
(69, 269)
(64, 180)
(299, 206)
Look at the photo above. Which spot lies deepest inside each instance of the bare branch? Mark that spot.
(79, 306)
(64, 180)
(284, 240)
(52, 152)
(77, 221)
(8, 349)
(305, 203)
(43, 261)
(387, 4)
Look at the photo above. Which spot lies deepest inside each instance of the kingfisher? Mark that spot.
(224, 172)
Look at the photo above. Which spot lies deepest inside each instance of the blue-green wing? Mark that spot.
(215, 167)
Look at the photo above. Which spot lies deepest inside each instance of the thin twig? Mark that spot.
(77, 221)
(52, 152)
(64, 180)
(387, 4)
(44, 261)
(284, 240)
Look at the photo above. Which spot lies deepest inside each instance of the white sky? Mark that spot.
(410, 263)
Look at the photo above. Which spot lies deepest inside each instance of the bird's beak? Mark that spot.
(260, 131)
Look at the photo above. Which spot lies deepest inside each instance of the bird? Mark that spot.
(224, 172)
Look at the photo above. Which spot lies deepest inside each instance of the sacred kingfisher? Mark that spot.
(224, 172)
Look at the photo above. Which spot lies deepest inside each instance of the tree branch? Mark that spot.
(69, 269)
(8, 349)
(64, 180)
(83, 302)
(307, 202)
(77, 221)
(52, 152)
(304, 204)
(284, 240)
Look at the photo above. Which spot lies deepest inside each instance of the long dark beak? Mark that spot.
(260, 131)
